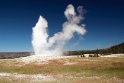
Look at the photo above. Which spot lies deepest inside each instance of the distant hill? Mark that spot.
(11, 55)
(116, 49)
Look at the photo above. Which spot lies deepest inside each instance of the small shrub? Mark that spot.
(90, 55)
(95, 55)
(81, 56)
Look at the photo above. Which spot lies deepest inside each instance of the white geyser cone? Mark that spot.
(53, 46)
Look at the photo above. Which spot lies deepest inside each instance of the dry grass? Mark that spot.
(70, 79)
(68, 70)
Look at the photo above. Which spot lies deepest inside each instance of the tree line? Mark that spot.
(116, 49)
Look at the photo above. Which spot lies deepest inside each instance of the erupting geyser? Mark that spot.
(45, 46)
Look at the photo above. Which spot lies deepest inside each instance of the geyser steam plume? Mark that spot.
(52, 46)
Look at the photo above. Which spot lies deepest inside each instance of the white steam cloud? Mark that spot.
(45, 46)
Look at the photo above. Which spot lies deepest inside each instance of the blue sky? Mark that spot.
(104, 22)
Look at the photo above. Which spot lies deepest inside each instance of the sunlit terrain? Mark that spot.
(67, 69)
